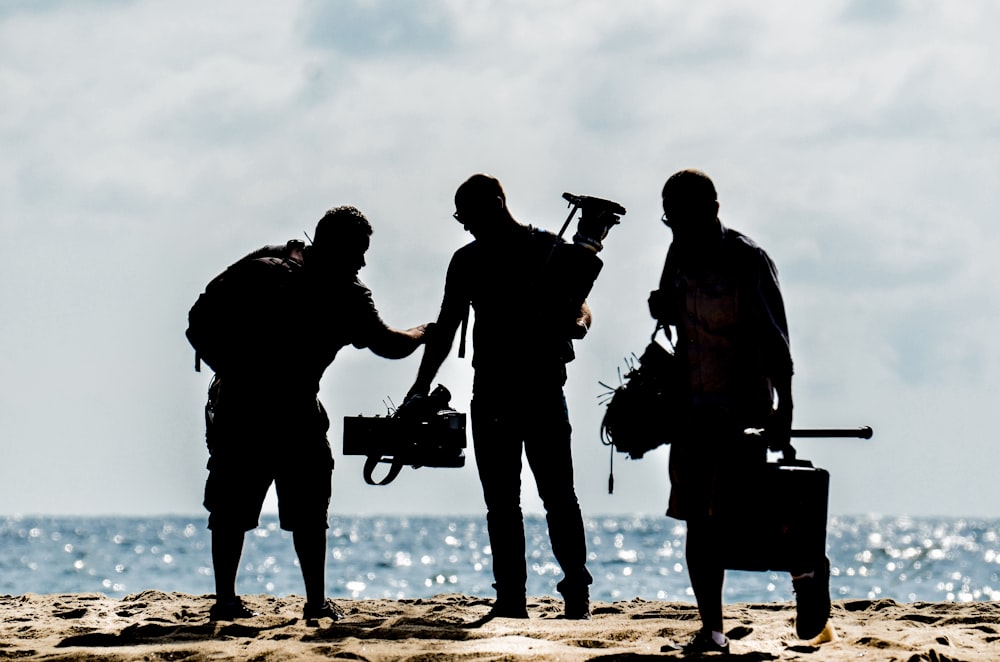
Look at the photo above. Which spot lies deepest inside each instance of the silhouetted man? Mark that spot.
(300, 305)
(720, 291)
(528, 290)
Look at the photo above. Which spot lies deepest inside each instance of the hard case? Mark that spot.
(774, 517)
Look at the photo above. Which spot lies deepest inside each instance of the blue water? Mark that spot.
(906, 559)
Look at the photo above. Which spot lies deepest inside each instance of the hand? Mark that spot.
(594, 226)
(657, 305)
(778, 432)
(415, 393)
(424, 331)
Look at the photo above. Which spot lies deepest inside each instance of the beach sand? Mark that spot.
(154, 625)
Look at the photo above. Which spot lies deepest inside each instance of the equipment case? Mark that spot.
(774, 517)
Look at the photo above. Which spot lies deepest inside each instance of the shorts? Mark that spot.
(237, 486)
(251, 449)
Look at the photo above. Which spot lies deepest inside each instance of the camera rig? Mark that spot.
(597, 218)
(424, 431)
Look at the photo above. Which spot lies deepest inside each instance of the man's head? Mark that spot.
(690, 204)
(481, 206)
(342, 237)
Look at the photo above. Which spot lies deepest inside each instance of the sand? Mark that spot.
(154, 625)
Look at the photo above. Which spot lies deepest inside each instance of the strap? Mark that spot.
(463, 332)
(373, 461)
(666, 334)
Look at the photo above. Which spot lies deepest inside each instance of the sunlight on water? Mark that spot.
(906, 559)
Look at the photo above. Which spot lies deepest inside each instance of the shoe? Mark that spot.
(508, 609)
(577, 610)
(703, 642)
(326, 609)
(812, 602)
(230, 610)
(577, 606)
(576, 597)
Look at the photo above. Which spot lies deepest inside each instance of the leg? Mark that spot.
(498, 458)
(548, 448)
(706, 573)
(310, 546)
(234, 494)
(227, 550)
(304, 488)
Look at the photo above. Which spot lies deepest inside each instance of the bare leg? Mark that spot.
(227, 550)
(310, 546)
(706, 573)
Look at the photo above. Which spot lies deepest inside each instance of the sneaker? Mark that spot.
(812, 602)
(326, 609)
(230, 610)
(704, 642)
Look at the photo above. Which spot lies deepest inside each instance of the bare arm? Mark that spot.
(454, 308)
(396, 343)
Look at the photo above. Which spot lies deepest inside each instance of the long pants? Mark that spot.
(504, 424)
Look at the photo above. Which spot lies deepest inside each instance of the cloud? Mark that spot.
(368, 29)
(147, 145)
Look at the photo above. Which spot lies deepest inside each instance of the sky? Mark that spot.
(146, 145)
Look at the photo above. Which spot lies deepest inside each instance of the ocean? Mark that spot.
(908, 559)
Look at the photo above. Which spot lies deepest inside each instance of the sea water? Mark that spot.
(903, 558)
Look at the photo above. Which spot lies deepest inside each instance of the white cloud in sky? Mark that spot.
(146, 145)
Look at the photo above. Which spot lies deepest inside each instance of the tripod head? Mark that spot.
(597, 206)
(598, 217)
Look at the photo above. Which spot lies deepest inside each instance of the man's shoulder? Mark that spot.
(747, 252)
(272, 250)
(468, 249)
(742, 243)
(543, 236)
(287, 255)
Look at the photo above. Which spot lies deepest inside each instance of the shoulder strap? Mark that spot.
(463, 332)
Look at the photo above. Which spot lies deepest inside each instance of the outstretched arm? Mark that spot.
(393, 343)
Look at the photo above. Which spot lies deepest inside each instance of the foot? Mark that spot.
(230, 610)
(577, 606)
(812, 601)
(325, 609)
(508, 609)
(705, 641)
(577, 610)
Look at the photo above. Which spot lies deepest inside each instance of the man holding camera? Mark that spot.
(287, 310)
(528, 289)
(720, 291)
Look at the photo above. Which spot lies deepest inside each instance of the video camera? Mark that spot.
(424, 431)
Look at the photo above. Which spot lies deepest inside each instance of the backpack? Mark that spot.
(225, 323)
